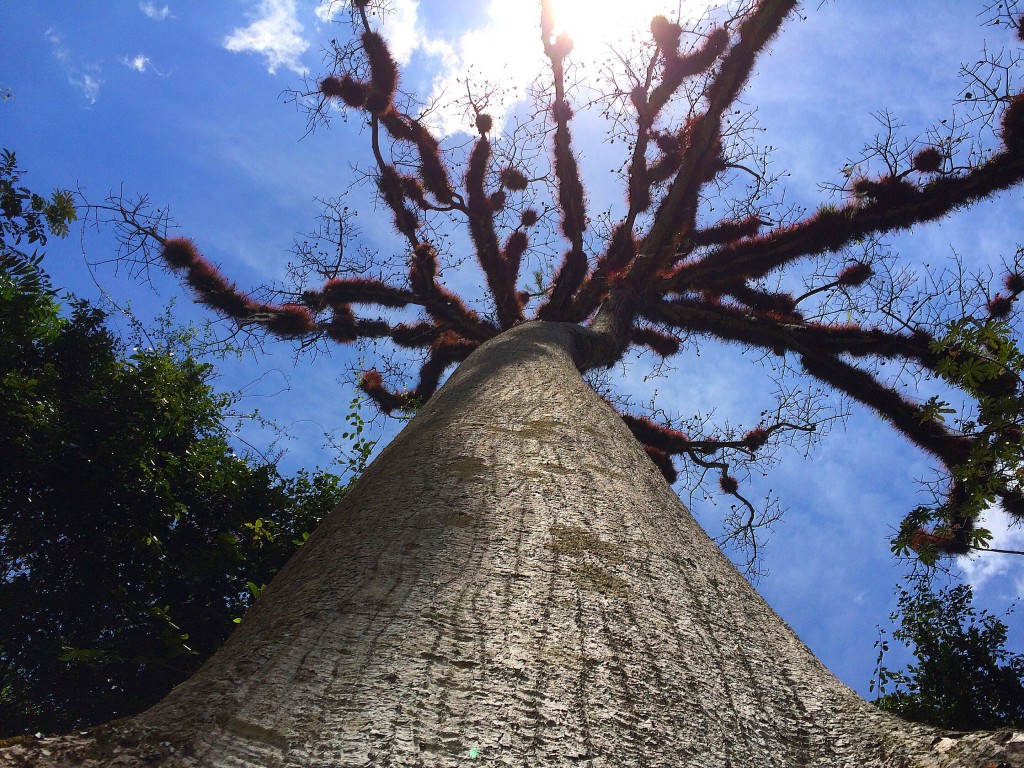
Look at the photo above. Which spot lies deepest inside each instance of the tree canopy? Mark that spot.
(132, 537)
(670, 269)
(964, 678)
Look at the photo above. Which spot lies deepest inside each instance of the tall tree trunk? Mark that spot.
(512, 579)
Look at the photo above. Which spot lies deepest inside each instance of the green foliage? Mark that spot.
(131, 535)
(25, 219)
(964, 678)
(980, 357)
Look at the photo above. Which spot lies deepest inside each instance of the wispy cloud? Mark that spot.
(983, 567)
(152, 12)
(86, 77)
(59, 51)
(138, 62)
(275, 33)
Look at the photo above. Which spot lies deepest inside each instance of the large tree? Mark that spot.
(512, 579)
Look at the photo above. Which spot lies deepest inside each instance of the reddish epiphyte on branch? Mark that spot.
(907, 417)
(362, 290)
(391, 186)
(621, 251)
(432, 168)
(342, 327)
(513, 180)
(638, 97)
(1014, 283)
(664, 168)
(208, 282)
(215, 291)
(529, 218)
(414, 336)
(497, 201)
(1013, 124)
(1000, 306)
(383, 73)
(413, 191)
(755, 438)
(666, 33)
(727, 231)
(664, 344)
(780, 306)
(515, 247)
(485, 238)
(663, 462)
(887, 191)
(180, 252)
(855, 274)
(922, 540)
(290, 321)
(678, 68)
(668, 143)
(568, 279)
(729, 484)
(484, 123)
(928, 160)
(1013, 503)
(663, 438)
(398, 125)
(353, 93)
(423, 269)
(561, 111)
(570, 189)
(372, 383)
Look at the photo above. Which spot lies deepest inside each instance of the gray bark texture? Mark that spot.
(512, 583)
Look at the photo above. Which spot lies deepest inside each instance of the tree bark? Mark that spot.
(513, 581)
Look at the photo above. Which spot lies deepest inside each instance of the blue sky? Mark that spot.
(185, 102)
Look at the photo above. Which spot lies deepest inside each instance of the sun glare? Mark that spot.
(593, 25)
(506, 50)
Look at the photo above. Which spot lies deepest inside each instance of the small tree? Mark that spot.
(132, 538)
(964, 678)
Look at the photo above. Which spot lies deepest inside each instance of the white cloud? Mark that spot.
(86, 78)
(505, 54)
(982, 567)
(59, 51)
(491, 56)
(151, 11)
(328, 10)
(401, 27)
(275, 33)
(138, 62)
(88, 84)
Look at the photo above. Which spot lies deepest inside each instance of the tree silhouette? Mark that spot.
(665, 272)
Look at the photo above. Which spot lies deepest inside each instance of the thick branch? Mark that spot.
(485, 239)
(831, 229)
